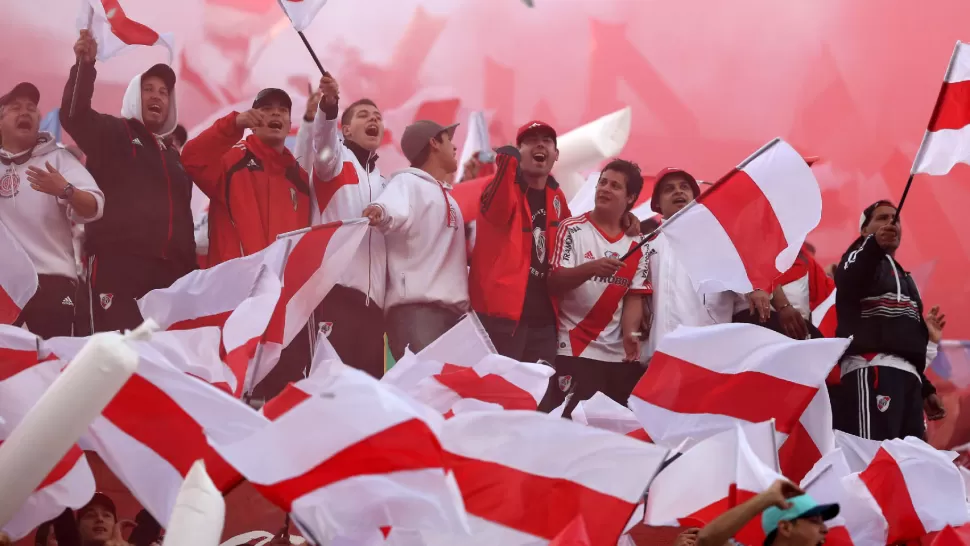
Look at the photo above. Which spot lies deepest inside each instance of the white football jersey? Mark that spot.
(589, 316)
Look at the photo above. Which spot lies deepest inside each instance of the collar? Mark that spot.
(20, 158)
(262, 151)
(366, 158)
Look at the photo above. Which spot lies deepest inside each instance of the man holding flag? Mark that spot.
(145, 239)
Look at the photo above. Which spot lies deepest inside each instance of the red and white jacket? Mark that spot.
(346, 179)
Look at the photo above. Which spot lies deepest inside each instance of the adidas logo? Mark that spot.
(589, 255)
(252, 164)
(137, 141)
(67, 301)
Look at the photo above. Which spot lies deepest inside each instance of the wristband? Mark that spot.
(786, 306)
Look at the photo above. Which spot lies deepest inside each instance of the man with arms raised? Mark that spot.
(427, 290)
(600, 297)
(145, 240)
(345, 179)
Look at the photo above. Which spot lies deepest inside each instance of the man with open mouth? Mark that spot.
(145, 240)
(345, 180)
(43, 188)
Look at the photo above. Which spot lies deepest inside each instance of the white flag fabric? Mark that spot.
(603, 412)
(18, 278)
(115, 32)
(747, 374)
(748, 228)
(476, 138)
(947, 139)
(824, 484)
(301, 12)
(70, 484)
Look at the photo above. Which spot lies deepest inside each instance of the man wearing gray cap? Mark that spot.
(427, 268)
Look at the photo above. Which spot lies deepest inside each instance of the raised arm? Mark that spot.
(730, 523)
(501, 194)
(86, 127)
(858, 267)
(327, 160)
(202, 156)
(303, 148)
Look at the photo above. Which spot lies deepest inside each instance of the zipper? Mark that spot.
(899, 290)
(168, 182)
(370, 199)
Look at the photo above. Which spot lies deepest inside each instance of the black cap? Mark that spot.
(270, 93)
(99, 499)
(22, 89)
(163, 72)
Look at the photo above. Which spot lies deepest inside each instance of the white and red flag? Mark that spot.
(747, 229)
(155, 428)
(715, 475)
(70, 484)
(301, 12)
(947, 139)
(115, 32)
(824, 484)
(525, 477)
(18, 278)
(915, 488)
(603, 412)
(704, 380)
(379, 464)
(19, 350)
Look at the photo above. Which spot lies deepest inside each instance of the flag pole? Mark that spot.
(80, 65)
(902, 200)
(312, 53)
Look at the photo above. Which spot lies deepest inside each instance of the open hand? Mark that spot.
(250, 118)
(50, 181)
(792, 322)
(312, 102)
(85, 48)
(935, 322)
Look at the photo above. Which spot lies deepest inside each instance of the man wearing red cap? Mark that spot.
(520, 213)
(96, 521)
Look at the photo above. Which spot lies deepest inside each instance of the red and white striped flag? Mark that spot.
(947, 139)
(603, 412)
(237, 296)
(526, 476)
(19, 350)
(18, 279)
(915, 488)
(747, 229)
(70, 484)
(155, 428)
(379, 464)
(301, 12)
(715, 475)
(496, 381)
(115, 32)
(746, 374)
(824, 484)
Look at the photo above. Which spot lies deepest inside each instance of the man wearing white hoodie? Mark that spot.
(427, 266)
(43, 189)
(146, 239)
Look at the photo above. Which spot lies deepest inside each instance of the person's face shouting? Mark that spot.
(155, 100)
(539, 153)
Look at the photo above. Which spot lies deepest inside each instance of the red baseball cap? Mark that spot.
(654, 205)
(535, 126)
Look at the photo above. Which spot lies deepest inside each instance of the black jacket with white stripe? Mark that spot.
(877, 303)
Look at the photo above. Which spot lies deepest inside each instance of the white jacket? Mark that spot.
(341, 190)
(42, 222)
(425, 234)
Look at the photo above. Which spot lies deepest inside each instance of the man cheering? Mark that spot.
(145, 240)
(600, 297)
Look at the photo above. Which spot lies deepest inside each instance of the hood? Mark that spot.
(422, 175)
(131, 106)
(45, 145)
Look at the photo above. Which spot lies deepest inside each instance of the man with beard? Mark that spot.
(345, 180)
(42, 190)
(145, 240)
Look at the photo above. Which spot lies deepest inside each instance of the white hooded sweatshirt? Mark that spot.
(425, 238)
(131, 107)
(41, 222)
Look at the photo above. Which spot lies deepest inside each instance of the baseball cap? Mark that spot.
(870, 210)
(802, 506)
(22, 89)
(163, 72)
(270, 93)
(99, 499)
(654, 202)
(416, 136)
(535, 126)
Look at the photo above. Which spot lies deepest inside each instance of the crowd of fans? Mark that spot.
(577, 292)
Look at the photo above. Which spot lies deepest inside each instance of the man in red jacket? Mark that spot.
(520, 213)
(256, 188)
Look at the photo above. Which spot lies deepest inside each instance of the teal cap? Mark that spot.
(802, 506)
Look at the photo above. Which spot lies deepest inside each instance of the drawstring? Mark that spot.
(449, 221)
(899, 289)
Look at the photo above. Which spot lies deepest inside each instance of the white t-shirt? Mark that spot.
(589, 316)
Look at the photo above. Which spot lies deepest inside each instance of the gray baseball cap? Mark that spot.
(417, 135)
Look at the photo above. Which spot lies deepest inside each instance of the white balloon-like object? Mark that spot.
(583, 148)
(62, 414)
(199, 513)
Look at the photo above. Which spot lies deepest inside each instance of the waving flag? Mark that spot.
(70, 484)
(115, 32)
(603, 412)
(947, 139)
(747, 229)
(747, 374)
(18, 279)
(19, 350)
(824, 484)
(301, 12)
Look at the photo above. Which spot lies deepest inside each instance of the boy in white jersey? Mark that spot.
(599, 296)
